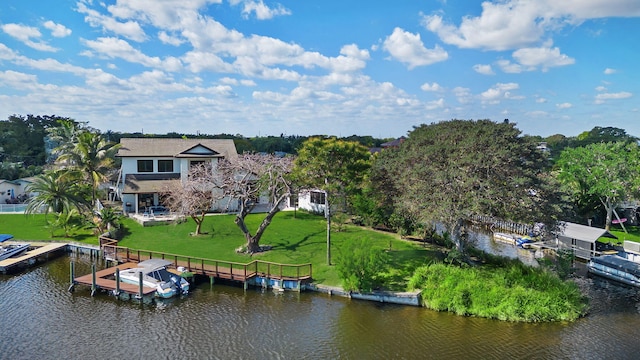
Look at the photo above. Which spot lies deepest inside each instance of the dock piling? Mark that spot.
(140, 285)
(72, 276)
(94, 286)
(117, 293)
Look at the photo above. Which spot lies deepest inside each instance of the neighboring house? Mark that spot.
(150, 164)
(14, 191)
(312, 201)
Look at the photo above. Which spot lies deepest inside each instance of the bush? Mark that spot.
(358, 265)
(514, 293)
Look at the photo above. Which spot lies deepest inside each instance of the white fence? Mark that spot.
(16, 208)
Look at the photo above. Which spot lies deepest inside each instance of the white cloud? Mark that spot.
(169, 39)
(509, 67)
(431, 87)
(118, 48)
(601, 88)
(609, 71)
(25, 34)
(129, 29)
(499, 92)
(501, 26)
(512, 24)
(262, 11)
(542, 57)
(57, 30)
(483, 69)
(462, 94)
(409, 49)
(541, 100)
(564, 105)
(602, 97)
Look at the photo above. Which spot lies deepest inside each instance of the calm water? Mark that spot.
(39, 319)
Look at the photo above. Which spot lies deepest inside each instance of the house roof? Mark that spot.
(583, 232)
(163, 147)
(394, 143)
(148, 183)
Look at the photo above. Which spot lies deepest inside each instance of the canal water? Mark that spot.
(40, 319)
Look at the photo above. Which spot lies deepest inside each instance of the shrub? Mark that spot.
(358, 263)
(514, 293)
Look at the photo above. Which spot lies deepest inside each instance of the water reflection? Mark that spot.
(40, 319)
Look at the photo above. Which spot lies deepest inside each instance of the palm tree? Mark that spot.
(106, 220)
(93, 156)
(58, 191)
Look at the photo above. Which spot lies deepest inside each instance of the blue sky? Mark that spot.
(259, 67)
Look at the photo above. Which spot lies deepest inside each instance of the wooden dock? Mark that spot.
(39, 251)
(105, 280)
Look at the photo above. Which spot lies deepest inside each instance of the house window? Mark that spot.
(196, 163)
(145, 166)
(165, 165)
(317, 197)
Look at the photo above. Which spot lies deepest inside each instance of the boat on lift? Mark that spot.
(155, 274)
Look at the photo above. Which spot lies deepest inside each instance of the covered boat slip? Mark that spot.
(581, 239)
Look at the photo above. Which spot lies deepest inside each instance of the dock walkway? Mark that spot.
(39, 250)
(102, 281)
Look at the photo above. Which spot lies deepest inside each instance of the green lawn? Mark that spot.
(34, 228)
(298, 238)
(633, 233)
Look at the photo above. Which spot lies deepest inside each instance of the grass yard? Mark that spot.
(633, 234)
(35, 228)
(296, 238)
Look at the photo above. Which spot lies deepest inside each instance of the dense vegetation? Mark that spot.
(513, 293)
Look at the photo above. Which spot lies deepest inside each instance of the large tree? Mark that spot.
(58, 191)
(448, 171)
(195, 195)
(608, 172)
(249, 178)
(93, 156)
(334, 166)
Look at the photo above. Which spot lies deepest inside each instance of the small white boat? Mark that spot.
(11, 250)
(156, 275)
(616, 268)
(505, 238)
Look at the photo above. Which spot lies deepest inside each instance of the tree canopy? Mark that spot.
(606, 172)
(338, 167)
(249, 178)
(448, 171)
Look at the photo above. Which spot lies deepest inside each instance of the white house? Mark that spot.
(312, 201)
(14, 191)
(149, 164)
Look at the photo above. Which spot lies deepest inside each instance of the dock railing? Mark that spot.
(210, 267)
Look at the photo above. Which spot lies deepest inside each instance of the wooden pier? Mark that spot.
(105, 280)
(257, 272)
(39, 251)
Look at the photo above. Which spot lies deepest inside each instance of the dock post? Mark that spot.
(117, 293)
(71, 276)
(94, 286)
(212, 280)
(246, 285)
(140, 290)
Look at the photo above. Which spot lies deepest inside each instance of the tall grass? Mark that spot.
(513, 293)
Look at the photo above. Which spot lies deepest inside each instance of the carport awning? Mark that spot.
(583, 232)
(149, 183)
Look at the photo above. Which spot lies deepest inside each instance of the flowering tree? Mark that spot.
(195, 195)
(249, 178)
